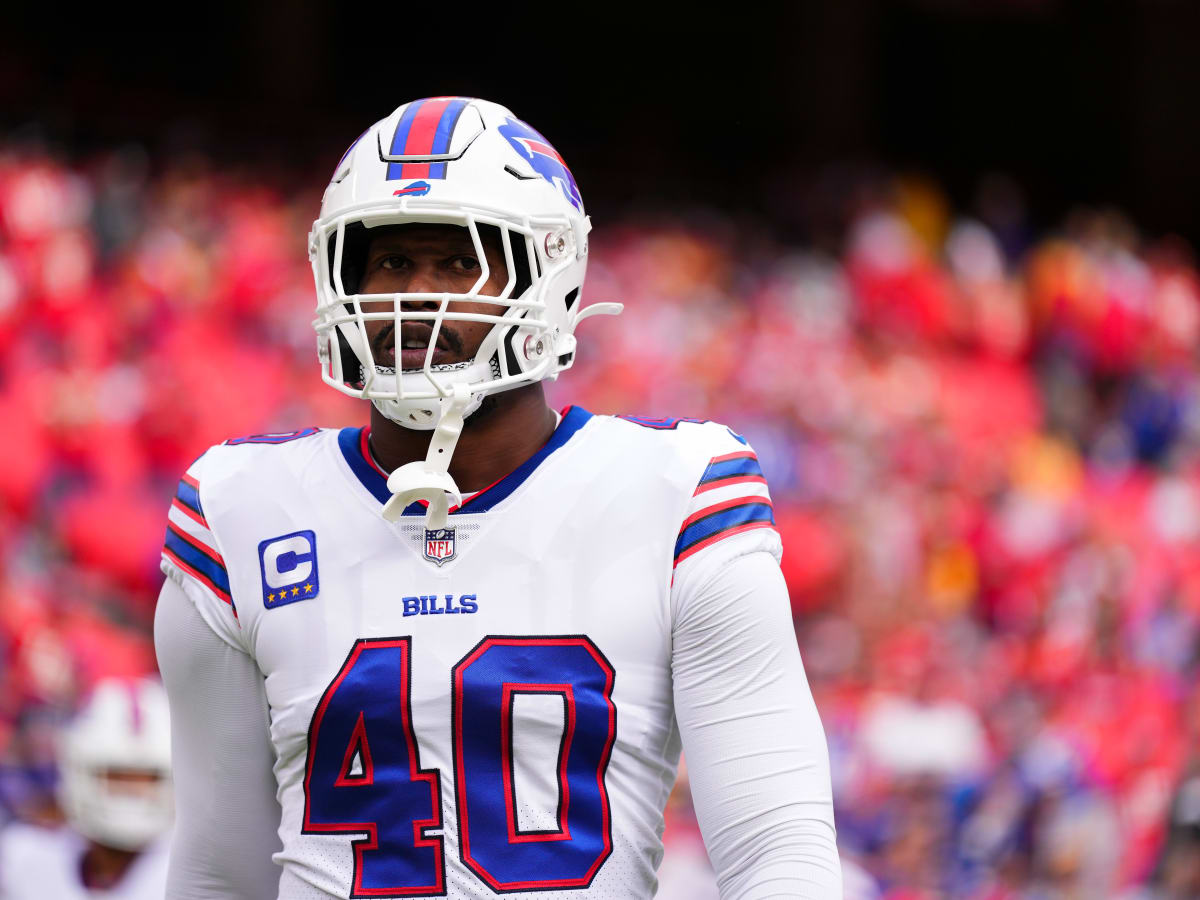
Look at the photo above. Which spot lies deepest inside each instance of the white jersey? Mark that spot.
(40, 863)
(486, 708)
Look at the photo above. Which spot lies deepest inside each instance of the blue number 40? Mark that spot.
(363, 773)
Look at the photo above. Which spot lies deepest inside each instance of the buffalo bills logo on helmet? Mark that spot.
(416, 189)
(536, 151)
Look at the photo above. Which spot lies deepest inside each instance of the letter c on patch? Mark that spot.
(288, 561)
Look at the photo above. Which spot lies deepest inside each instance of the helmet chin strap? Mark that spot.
(429, 479)
(422, 415)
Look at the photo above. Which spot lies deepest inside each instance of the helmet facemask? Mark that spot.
(517, 350)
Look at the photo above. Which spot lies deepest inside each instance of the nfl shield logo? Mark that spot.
(439, 545)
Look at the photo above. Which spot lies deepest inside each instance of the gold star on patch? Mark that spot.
(270, 598)
(308, 589)
(295, 592)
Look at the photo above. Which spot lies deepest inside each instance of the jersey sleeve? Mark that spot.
(191, 556)
(756, 752)
(729, 513)
(226, 812)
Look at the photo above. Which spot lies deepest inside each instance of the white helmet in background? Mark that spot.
(115, 765)
(465, 162)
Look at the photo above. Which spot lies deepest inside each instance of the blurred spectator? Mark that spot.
(115, 790)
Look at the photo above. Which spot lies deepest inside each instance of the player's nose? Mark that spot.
(426, 279)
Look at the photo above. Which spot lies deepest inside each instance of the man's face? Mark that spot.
(421, 258)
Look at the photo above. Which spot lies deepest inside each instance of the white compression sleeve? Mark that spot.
(226, 816)
(755, 748)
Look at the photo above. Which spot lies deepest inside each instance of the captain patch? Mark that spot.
(289, 568)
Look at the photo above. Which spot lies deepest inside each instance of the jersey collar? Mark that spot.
(353, 444)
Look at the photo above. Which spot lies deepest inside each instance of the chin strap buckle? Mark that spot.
(429, 479)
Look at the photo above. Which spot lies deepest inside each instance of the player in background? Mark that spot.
(115, 789)
(456, 652)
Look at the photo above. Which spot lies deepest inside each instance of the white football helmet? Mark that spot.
(115, 765)
(466, 162)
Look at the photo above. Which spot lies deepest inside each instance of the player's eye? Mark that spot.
(392, 261)
(466, 264)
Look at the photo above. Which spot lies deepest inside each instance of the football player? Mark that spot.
(455, 652)
(115, 789)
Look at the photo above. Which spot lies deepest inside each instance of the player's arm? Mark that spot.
(227, 816)
(756, 753)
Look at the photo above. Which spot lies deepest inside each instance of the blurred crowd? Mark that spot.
(982, 443)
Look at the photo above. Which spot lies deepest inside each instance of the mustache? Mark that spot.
(386, 339)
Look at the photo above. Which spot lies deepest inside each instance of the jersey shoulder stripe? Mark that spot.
(199, 561)
(732, 468)
(730, 496)
(188, 495)
(190, 544)
(722, 520)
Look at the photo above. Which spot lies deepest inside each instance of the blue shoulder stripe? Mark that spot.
(188, 494)
(706, 527)
(201, 562)
(718, 470)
